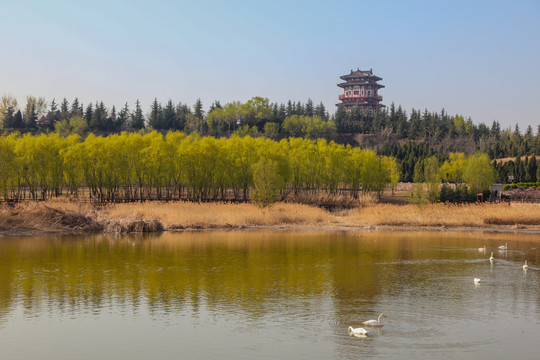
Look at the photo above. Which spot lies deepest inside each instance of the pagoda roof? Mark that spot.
(360, 74)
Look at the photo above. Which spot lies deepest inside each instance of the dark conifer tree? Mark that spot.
(31, 118)
(53, 115)
(123, 118)
(137, 118)
(290, 108)
(340, 119)
(18, 122)
(169, 115)
(518, 169)
(320, 110)
(76, 108)
(281, 114)
(64, 109)
(308, 109)
(299, 110)
(155, 117)
(9, 118)
(530, 169)
(182, 111)
(88, 113)
(198, 109)
(110, 122)
(215, 105)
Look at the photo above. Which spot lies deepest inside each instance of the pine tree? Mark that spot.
(519, 171)
(290, 109)
(215, 105)
(88, 113)
(182, 111)
(300, 109)
(98, 122)
(76, 108)
(309, 110)
(320, 110)
(64, 109)
(198, 109)
(137, 118)
(18, 122)
(123, 118)
(111, 120)
(9, 118)
(154, 120)
(340, 119)
(31, 118)
(169, 115)
(530, 169)
(53, 115)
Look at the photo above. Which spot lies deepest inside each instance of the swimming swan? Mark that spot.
(482, 249)
(503, 247)
(491, 258)
(477, 281)
(376, 323)
(358, 331)
(525, 267)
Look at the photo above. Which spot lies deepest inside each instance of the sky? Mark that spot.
(479, 59)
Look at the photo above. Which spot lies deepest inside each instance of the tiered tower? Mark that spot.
(360, 89)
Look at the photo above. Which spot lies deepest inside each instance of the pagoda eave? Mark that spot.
(363, 83)
(356, 76)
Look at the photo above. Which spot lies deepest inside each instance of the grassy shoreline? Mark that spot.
(68, 217)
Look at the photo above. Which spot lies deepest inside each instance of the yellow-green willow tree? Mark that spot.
(146, 166)
(7, 165)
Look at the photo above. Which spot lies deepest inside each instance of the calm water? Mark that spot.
(269, 295)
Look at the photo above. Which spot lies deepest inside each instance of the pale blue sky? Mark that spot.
(476, 58)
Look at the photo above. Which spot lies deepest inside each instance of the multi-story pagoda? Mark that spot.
(360, 89)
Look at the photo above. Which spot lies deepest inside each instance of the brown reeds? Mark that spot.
(449, 215)
(42, 217)
(181, 215)
(156, 216)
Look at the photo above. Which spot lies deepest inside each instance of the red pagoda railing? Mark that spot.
(345, 97)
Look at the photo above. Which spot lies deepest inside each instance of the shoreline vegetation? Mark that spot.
(64, 217)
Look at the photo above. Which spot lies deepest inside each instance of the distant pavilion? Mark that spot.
(360, 89)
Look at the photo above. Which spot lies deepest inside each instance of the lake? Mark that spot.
(269, 295)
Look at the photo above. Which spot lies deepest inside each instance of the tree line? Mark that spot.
(390, 131)
(257, 116)
(141, 166)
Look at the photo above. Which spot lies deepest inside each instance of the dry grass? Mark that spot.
(154, 216)
(45, 217)
(469, 215)
(217, 215)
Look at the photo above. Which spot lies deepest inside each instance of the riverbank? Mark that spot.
(69, 217)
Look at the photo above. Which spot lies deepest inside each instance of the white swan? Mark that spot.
(376, 323)
(358, 331)
(525, 267)
(477, 281)
(482, 249)
(503, 247)
(491, 258)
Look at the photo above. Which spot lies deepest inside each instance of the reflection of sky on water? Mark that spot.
(274, 295)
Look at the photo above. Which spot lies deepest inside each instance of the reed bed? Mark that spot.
(46, 217)
(464, 215)
(58, 216)
(217, 215)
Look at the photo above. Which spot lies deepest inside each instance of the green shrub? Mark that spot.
(459, 195)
